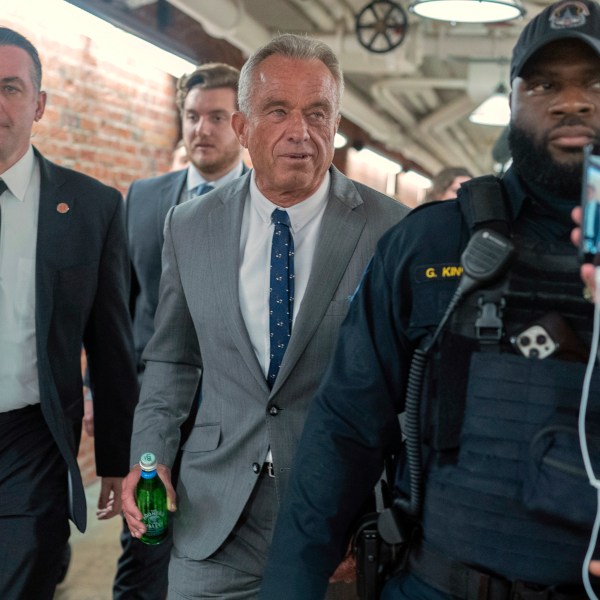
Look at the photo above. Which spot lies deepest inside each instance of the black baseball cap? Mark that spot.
(579, 19)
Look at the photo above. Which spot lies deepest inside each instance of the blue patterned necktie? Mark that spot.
(201, 189)
(281, 292)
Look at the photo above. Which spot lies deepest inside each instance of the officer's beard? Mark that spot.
(534, 163)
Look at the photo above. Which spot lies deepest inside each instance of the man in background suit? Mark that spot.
(213, 320)
(63, 283)
(206, 100)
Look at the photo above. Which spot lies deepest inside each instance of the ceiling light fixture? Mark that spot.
(468, 11)
(416, 179)
(494, 111)
(379, 162)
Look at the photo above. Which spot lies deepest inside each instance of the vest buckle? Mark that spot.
(489, 326)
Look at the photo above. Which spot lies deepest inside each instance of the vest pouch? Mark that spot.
(556, 483)
(474, 508)
(510, 400)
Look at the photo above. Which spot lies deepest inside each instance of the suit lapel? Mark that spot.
(340, 231)
(168, 194)
(225, 225)
(53, 225)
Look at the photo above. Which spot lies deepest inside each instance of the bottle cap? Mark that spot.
(148, 461)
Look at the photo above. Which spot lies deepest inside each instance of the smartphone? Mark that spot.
(535, 342)
(590, 203)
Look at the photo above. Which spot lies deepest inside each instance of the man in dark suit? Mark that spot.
(223, 271)
(63, 283)
(206, 99)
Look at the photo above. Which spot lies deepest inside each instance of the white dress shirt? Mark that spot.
(255, 252)
(19, 385)
(194, 179)
(255, 264)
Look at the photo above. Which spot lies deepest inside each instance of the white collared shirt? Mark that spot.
(255, 258)
(19, 385)
(194, 179)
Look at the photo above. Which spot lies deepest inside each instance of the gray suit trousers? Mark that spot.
(234, 571)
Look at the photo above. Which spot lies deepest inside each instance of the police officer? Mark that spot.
(502, 514)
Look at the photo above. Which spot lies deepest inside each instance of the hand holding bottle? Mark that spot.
(131, 512)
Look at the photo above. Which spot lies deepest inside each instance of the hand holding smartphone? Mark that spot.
(589, 248)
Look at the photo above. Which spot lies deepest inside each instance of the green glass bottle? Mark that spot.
(151, 499)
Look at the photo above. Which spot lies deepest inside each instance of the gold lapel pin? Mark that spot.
(62, 208)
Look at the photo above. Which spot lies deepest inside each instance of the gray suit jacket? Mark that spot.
(200, 329)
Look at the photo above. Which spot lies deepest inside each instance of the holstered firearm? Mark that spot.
(379, 547)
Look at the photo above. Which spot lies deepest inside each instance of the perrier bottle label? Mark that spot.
(151, 499)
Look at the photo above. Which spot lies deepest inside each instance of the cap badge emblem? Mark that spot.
(568, 15)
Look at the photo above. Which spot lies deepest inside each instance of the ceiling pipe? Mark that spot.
(405, 84)
(364, 116)
(449, 113)
(427, 136)
(439, 122)
(456, 154)
(226, 19)
(388, 100)
(463, 139)
(443, 118)
(315, 13)
(343, 13)
(485, 48)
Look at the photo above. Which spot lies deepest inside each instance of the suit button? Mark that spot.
(256, 468)
(273, 411)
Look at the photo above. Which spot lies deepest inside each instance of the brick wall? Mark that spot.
(112, 119)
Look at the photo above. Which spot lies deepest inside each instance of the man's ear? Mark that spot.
(239, 124)
(40, 106)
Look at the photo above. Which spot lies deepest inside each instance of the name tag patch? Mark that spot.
(428, 273)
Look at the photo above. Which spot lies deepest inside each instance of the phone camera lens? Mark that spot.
(534, 353)
(525, 341)
(541, 339)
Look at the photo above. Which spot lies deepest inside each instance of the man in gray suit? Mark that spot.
(214, 325)
(206, 100)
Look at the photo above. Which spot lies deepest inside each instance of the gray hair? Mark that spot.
(291, 46)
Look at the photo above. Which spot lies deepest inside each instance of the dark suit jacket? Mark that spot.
(147, 204)
(81, 285)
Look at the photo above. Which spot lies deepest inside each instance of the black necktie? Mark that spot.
(281, 292)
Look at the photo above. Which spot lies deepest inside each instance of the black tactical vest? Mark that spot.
(505, 486)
